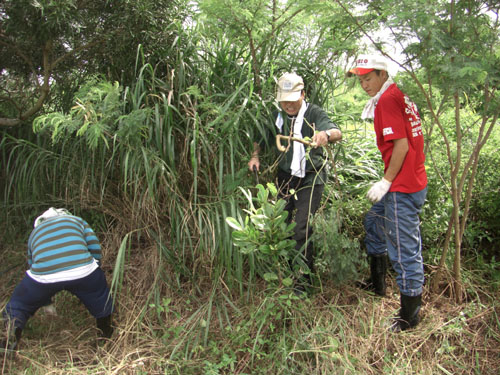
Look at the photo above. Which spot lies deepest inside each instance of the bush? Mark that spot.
(339, 254)
(265, 234)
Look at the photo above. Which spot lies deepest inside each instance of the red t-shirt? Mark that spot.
(396, 117)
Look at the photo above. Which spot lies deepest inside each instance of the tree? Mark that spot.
(47, 45)
(308, 37)
(451, 50)
(255, 24)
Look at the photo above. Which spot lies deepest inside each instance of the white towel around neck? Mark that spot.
(298, 166)
(369, 110)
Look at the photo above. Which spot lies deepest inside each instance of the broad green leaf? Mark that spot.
(233, 223)
(270, 276)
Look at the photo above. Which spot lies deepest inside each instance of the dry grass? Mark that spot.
(209, 329)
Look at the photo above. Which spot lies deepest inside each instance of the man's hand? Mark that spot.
(254, 163)
(320, 138)
(254, 160)
(378, 190)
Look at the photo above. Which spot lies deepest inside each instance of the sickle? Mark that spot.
(289, 139)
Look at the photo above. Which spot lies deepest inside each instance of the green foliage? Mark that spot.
(53, 46)
(265, 234)
(264, 334)
(358, 163)
(487, 269)
(226, 363)
(340, 256)
(285, 36)
(484, 225)
(99, 116)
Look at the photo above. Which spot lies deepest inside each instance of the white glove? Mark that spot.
(378, 190)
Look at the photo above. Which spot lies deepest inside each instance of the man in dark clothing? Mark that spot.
(305, 173)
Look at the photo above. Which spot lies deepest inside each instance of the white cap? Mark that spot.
(290, 87)
(51, 212)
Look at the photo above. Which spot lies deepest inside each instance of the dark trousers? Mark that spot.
(304, 202)
(29, 295)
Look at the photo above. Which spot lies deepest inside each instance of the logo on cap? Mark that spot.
(287, 85)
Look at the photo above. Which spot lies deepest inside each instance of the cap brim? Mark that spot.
(359, 71)
(291, 96)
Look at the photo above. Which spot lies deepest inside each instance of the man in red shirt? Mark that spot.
(392, 225)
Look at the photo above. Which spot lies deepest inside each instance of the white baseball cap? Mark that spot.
(368, 63)
(290, 87)
(51, 212)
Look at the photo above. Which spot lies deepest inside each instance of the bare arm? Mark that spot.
(335, 136)
(254, 160)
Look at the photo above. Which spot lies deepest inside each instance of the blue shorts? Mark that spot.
(29, 295)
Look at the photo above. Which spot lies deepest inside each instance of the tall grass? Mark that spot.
(161, 159)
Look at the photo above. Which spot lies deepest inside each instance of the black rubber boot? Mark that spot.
(12, 341)
(408, 314)
(378, 270)
(104, 325)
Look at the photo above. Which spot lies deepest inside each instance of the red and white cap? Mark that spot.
(368, 63)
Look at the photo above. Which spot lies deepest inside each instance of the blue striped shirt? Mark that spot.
(62, 243)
